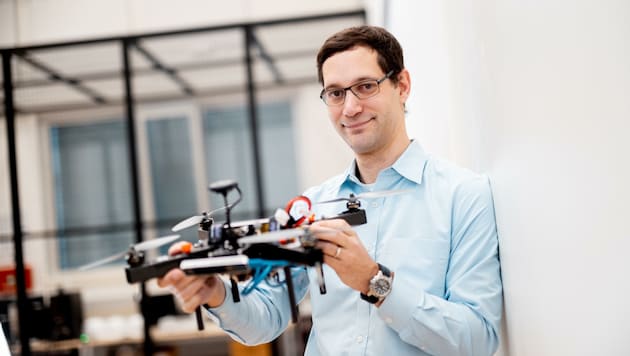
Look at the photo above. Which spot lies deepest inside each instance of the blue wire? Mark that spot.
(261, 269)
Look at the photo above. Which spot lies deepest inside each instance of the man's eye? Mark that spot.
(334, 93)
(366, 87)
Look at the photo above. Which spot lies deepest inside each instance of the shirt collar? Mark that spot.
(412, 162)
(410, 165)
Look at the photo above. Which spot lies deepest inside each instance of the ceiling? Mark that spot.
(178, 64)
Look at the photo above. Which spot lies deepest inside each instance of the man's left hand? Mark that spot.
(344, 252)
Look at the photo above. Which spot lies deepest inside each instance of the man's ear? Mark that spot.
(404, 85)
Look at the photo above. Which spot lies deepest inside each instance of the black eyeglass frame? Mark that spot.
(378, 85)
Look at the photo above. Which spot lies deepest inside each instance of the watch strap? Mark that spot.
(385, 270)
(369, 298)
(372, 298)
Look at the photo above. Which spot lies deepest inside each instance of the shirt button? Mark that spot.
(359, 339)
(222, 315)
(375, 204)
(389, 320)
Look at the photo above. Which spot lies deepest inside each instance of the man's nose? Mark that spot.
(351, 105)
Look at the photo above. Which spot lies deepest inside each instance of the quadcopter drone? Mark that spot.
(249, 251)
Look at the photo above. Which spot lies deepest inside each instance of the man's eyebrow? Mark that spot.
(356, 81)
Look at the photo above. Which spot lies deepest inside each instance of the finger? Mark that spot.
(328, 248)
(333, 262)
(196, 293)
(186, 287)
(176, 248)
(190, 289)
(189, 305)
(335, 224)
(172, 277)
(339, 238)
(327, 238)
(186, 291)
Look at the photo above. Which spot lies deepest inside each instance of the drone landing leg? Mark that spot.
(294, 307)
(199, 320)
(320, 278)
(235, 293)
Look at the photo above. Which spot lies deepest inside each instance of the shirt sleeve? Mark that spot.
(262, 315)
(4, 344)
(465, 320)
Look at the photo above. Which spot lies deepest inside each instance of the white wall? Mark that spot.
(538, 97)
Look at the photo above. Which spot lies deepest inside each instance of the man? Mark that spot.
(422, 276)
(4, 345)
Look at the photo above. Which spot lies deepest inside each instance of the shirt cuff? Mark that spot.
(225, 315)
(398, 307)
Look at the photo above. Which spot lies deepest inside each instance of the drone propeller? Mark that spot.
(103, 261)
(280, 235)
(367, 195)
(193, 220)
(189, 222)
(142, 246)
(155, 243)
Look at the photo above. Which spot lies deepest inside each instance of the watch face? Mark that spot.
(381, 287)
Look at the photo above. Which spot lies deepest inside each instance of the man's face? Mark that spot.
(367, 125)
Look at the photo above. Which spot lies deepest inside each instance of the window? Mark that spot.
(93, 199)
(92, 191)
(171, 167)
(229, 154)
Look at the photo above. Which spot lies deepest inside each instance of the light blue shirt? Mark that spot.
(4, 344)
(440, 240)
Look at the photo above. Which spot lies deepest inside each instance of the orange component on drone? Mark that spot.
(186, 247)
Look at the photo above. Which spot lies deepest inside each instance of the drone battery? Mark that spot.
(220, 264)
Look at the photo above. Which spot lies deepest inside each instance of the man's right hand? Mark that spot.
(192, 291)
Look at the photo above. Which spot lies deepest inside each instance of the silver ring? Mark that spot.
(338, 252)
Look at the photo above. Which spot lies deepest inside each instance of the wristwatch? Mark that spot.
(380, 286)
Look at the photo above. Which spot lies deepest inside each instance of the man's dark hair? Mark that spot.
(390, 54)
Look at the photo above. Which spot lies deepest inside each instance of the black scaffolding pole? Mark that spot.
(127, 43)
(9, 112)
(253, 120)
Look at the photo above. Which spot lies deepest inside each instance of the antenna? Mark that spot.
(223, 187)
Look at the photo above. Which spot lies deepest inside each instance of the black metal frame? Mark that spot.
(77, 83)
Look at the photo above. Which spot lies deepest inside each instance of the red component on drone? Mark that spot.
(299, 209)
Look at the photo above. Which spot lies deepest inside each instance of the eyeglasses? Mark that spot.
(362, 90)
